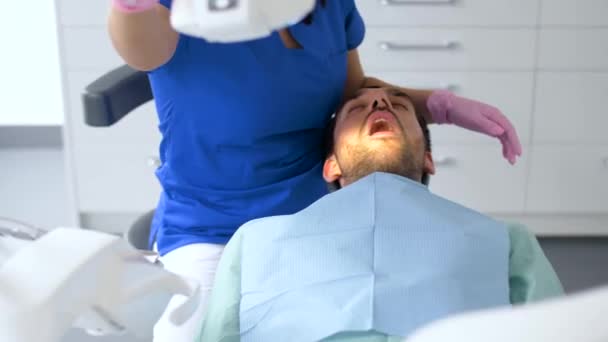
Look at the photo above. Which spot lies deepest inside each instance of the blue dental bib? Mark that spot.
(383, 255)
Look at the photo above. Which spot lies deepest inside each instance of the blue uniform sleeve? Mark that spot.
(355, 28)
(166, 3)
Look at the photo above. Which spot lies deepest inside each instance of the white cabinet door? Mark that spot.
(398, 49)
(574, 13)
(113, 165)
(479, 177)
(115, 177)
(511, 92)
(568, 179)
(573, 49)
(89, 49)
(571, 108)
(449, 12)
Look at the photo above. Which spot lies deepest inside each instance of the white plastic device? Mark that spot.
(229, 21)
(78, 278)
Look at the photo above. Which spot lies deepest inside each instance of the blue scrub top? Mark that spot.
(242, 126)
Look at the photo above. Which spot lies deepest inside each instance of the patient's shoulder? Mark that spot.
(262, 224)
(518, 231)
(522, 239)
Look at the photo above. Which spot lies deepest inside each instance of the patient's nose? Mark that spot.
(378, 99)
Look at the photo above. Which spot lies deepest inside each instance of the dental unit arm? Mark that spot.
(229, 21)
(84, 279)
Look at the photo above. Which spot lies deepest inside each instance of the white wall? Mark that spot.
(30, 82)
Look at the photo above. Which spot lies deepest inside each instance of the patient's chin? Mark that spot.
(361, 160)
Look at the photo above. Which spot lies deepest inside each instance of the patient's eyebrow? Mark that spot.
(361, 91)
(391, 91)
(400, 93)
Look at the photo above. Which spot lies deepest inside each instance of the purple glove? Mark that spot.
(134, 6)
(445, 107)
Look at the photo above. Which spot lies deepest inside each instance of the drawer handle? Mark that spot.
(390, 46)
(444, 161)
(605, 162)
(416, 2)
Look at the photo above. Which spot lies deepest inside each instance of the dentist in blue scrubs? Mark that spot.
(242, 125)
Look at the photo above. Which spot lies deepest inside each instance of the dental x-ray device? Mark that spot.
(229, 21)
(74, 278)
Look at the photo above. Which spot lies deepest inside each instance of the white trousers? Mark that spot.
(197, 262)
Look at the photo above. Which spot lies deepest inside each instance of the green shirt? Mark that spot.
(531, 278)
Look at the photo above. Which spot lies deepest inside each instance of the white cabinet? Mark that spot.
(574, 13)
(573, 49)
(569, 159)
(483, 49)
(568, 179)
(116, 177)
(449, 12)
(113, 167)
(114, 171)
(454, 49)
(571, 108)
(480, 178)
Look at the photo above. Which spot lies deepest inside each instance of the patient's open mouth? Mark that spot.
(381, 124)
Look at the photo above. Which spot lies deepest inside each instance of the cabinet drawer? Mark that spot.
(568, 179)
(115, 177)
(479, 178)
(396, 49)
(575, 12)
(496, 88)
(449, 12)
(80, 13)
(89, 49)
(573, 49)
(571, 108)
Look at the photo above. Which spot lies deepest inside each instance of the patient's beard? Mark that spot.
(359, 161)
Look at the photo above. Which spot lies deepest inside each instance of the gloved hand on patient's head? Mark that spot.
(446, 107)
(134, 6)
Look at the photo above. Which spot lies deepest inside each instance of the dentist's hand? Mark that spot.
(134, 6)
(445, 107)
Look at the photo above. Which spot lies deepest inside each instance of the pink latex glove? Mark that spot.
(134, 6)
(445, 107)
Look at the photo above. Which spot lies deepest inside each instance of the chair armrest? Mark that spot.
(114, 95)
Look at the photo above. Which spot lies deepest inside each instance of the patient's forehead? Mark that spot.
(389, 90)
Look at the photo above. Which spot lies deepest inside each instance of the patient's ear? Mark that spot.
(331, 169)
(429, 164)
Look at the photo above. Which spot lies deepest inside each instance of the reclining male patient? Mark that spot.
(378, 258)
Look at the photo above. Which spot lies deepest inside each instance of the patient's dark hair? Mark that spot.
(329, 144)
